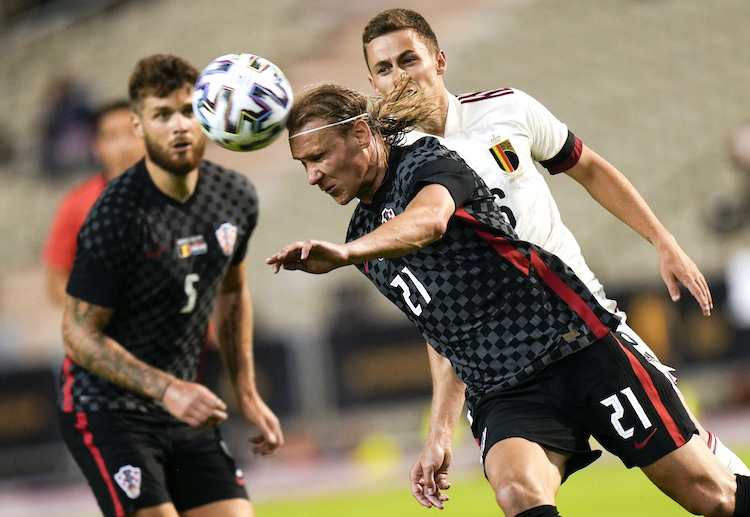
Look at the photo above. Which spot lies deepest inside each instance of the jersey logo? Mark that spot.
(386, 215)
(193, 245)
(505, 156)
(227, 236)
(129, 479)
(641, 445)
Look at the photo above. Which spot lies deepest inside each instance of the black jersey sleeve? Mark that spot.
(95, 277)
(91, 281)
(447, 169)
(249, 204)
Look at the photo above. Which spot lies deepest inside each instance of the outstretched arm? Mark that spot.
(429, 473)
(87, 346)
(234, 322)
(615, 193)
(422, 222)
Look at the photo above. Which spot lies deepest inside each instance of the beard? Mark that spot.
(179, 165)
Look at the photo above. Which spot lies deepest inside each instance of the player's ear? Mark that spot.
(442, 63)
(372, 83)
(362, 133)
(137, 126)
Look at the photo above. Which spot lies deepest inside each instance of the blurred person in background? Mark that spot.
(501, 134)
(67, 130)
(544, 364)
(116, 148)
(163, 247)
(728, 212)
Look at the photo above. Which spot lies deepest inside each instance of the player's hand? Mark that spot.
(429, 476)
(677, 268)
(311, 256)
(259, 414)
(194, 404)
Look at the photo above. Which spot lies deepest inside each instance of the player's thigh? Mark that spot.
(694, 477)
(628, 405)
(202, 471)
(162, 510)
(122, 457)
(625, 332)
(226, 508)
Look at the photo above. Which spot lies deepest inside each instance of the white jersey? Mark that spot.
(501, 134)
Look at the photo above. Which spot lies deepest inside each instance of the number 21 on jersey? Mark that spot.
(402, 283)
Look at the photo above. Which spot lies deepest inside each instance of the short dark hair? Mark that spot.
(393, 20)
(159, 75)
(105, 109)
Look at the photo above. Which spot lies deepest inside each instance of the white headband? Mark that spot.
(350, 119)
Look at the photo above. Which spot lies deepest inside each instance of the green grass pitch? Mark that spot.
(605, 488)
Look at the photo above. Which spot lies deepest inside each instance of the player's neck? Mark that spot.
(176, 186)
(437, 124)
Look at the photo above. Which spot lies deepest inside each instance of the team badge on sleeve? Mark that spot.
(129, 479)
(505, 156)
(386, 215)
(227, 236)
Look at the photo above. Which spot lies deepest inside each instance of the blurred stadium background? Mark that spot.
(655, 86)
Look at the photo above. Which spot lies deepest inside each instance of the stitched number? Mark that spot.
(190, 292)
(499, 194)
(400, 282)
(613, 401)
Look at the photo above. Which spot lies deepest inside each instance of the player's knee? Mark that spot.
(516, 495)
(715, 501)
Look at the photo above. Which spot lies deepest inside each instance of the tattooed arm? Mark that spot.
(87, 346)
(234, 329)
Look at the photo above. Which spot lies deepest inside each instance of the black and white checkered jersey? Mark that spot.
(500, 309)
(158, 263)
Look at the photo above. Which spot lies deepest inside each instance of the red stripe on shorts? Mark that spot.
(88, 440)
(653, 396)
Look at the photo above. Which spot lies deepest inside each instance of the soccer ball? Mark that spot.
(242, 101)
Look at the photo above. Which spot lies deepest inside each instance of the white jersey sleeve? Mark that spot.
(547, 134)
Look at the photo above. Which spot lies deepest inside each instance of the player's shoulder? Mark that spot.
(501, 100)
(485, 97)
(123, 193)
(424, 149)
(226, 179)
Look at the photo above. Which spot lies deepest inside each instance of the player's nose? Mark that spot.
(313, 174)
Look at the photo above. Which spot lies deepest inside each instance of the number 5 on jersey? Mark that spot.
(190, 292)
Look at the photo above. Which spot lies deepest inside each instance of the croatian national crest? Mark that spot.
(386, 215)
(227, 237)
(129, 479)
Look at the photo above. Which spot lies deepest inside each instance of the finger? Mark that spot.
(305, 251)
(700, 292)
(442, 482)
(673, 288)
(417, 491)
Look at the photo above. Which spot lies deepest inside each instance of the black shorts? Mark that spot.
(134, 461)
(607, 390)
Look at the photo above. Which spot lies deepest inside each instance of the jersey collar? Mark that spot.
(453, 118)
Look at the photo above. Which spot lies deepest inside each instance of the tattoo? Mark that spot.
(87, 346)
(230, 333)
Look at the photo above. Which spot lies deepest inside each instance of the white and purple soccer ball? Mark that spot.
(242, 101)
